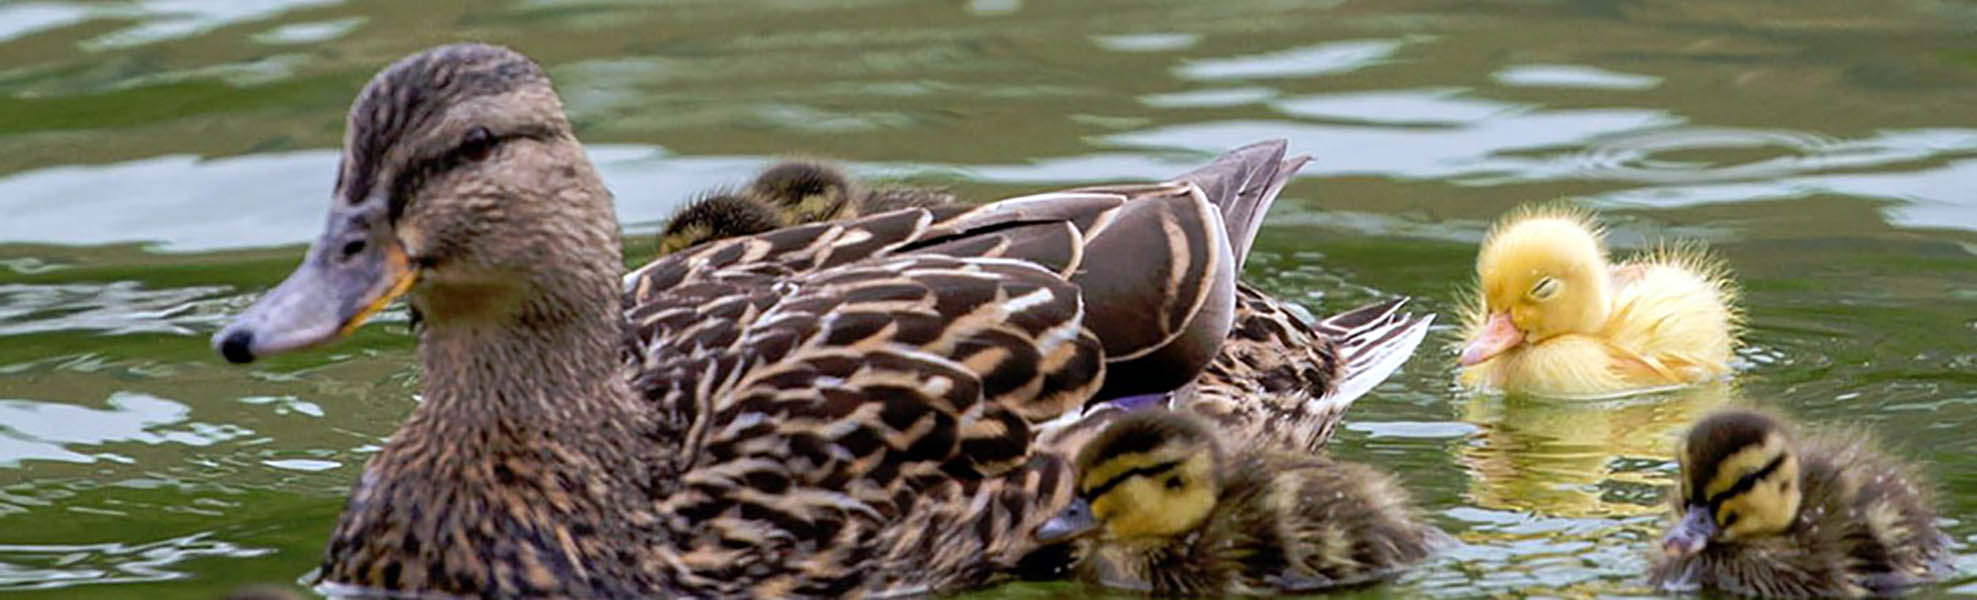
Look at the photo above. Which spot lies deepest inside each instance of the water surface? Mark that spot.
(161, 162)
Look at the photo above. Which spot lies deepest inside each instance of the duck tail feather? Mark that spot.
(1243, 183)
(1374, 341)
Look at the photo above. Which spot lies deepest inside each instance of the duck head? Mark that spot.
(1150, 474)
(460, 184)
(1740, 480)
(1542, 273)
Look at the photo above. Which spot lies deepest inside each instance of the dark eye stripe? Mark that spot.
(1745, 483)
(1101, 489)
(409, 180)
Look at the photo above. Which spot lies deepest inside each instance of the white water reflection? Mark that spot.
(31, 430)
(1434, 106)
(173, 19)
(115, 308)
(1322, 59)
(51, 566)
(1573, 76)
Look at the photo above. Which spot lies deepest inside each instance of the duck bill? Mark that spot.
(1075, 521)
(351, 273)
(1498, 336)
(1690, 535)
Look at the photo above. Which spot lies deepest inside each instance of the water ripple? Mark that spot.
(115, 308)
(51, 566)
(31, 430)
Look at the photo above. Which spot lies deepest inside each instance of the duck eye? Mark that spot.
(477, 145)
(1545, 289)
(1174, 483)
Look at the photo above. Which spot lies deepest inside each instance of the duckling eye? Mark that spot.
(1545, 289)
(477, 145)
(1731, 519)
(1174, 482)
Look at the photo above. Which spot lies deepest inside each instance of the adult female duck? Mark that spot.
(826, 410)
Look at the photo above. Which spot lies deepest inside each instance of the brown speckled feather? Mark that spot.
(868, 387)
(1281, 378)
(1274, 368)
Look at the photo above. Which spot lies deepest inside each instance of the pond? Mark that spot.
(162, 162)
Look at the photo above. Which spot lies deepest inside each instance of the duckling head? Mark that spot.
(459, 177)
(1151, 474)
(716, 217)
(1740, 481)
(1542, 274)
(807, 192)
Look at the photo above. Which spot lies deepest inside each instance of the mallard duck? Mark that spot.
(1552, 317)
(1764, 512)
(1171, 508)
(1277, 376)
(835, 409)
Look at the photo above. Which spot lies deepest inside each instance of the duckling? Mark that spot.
(716, 216)
(1763, 512)
(1171, 508)
(811, 192)
(1553, 317)
(785, 194)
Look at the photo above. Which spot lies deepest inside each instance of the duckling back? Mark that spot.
(1313, 524)
(1672, 309)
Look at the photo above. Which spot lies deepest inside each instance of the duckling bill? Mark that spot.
(1170, 508)
(1761, 512)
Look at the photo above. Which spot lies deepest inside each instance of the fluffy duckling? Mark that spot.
(717, 216)
(1766, 513)
(785, 194)
(1553, 317)
(1169, 508)
(812, 192)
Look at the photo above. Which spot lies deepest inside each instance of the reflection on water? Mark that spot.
(1579, 458)
(32, 430)
(1322, 59)
(161, 161)
(29, 567)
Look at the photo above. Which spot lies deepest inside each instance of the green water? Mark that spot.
(161, 161)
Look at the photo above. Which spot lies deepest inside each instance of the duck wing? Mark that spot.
(1281, 379)
(821, 380)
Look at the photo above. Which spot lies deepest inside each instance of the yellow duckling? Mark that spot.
(1553, 317)
(1172, 509)
(1766, 513)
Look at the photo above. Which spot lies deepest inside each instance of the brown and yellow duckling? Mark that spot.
(1764, 512)
(1169, 507)
(785, 194)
